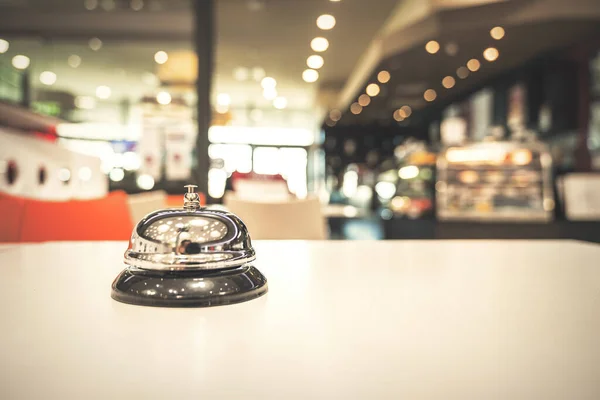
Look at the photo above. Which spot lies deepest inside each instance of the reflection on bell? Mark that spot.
(189, 257)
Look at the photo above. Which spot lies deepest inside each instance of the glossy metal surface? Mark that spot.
(191, 238)
(189, 288)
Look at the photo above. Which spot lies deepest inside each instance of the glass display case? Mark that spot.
(495, 181)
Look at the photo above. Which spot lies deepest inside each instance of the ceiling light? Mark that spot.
(150, 79)
(116, 174)
(451, 49)
(310, 75)
(241, 74)
(402, 113)
(95, 44)
(280, 103)
(74, 61)
(103, 92)
(383, 76)
(473, 64)
(497, 32)
(432, 47)
(319, 44)
(335, 1)
(270, 93)
(373, 89)
(222, 108)
(397, 116)
(364, 100)
(90, 4)
(315, 62)
(407, 110)
(224, 99)
(20, 61)
(448, 82)
(85, 102)
(326, 22)
(462, 72)
(48, 78)
(108, 5)
(161, 57)
(491, 54)
(429, 95)
(268, 83)
(163, 98)
(258, 73)
(145, 182)
(355, 108)
(335, 115)
(4, 45)
(137, 5)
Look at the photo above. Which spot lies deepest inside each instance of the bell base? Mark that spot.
(188, 288)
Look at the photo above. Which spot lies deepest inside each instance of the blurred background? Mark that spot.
(311, 119)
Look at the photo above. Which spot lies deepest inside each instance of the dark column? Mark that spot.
(204, 39)
(25, 89)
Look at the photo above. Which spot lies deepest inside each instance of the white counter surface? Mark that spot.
(342, 320)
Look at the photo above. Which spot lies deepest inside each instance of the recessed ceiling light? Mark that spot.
(448, 82)
(335, 115)
(462, 72)
(137, 5)
(315, 62)
(432, 47)
(373, 89)
(473, 65)
(429, 95)
(4, 45)
(150, 79)
(383, 76)
(364, 100)
(268, 83)
(90, 4)
(326, 22)
(407, 110)
(451, 49)
(258, 73)
(397, 116)
(95, 44)
(319, 44)
(161, 57)
(356, 108)
(497, 32)
(224, 99)
(163, 98)
(74, 61)
(241, 74)
(270, 93)
(103, 92)
(491, 54)
(222, 108)
(280, 103)
(310, 75)
(48, 78)
(20, 61)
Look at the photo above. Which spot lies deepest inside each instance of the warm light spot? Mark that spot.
(364, 100)
(473, 65)
(448, 82)
(397, 116)
(491, 54)
(356, 108)
(432, 47)
(462, 72)
(335, 115)
(315, 62)
(319, 44)
(430, 95)
(326, 22)
(373, 89)
(383, 77)
(310, 75)
(497, 32)
(407, 110)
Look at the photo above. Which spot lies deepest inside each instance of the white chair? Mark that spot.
(288, 220)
